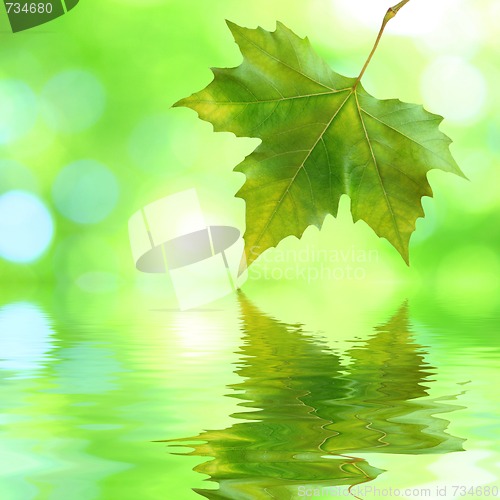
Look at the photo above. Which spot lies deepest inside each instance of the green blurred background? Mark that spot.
(97, 361)
(87, 129)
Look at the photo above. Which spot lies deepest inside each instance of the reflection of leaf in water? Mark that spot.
(305, 412)
(384, 409)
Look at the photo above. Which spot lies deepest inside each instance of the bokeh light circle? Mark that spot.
(72, 101)
(26, 338)
(85, 192)
(455, 89)
(416, 22)
(26, 227)
(457, 27)
(19, 110)
(434, 24)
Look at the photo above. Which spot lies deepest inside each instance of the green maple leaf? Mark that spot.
(322, 136)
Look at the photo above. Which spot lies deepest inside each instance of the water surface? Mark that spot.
(233, 402)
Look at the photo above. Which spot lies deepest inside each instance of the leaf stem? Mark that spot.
(391, 13)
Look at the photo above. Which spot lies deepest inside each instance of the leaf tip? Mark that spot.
(405, 254)
(233, 27)
(280, 26)
(179, 104)
(460, 173)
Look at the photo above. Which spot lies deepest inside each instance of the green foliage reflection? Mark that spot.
(308, 413)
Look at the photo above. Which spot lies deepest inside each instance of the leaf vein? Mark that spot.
(377, 169)
(284, 63)
(278, 205)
